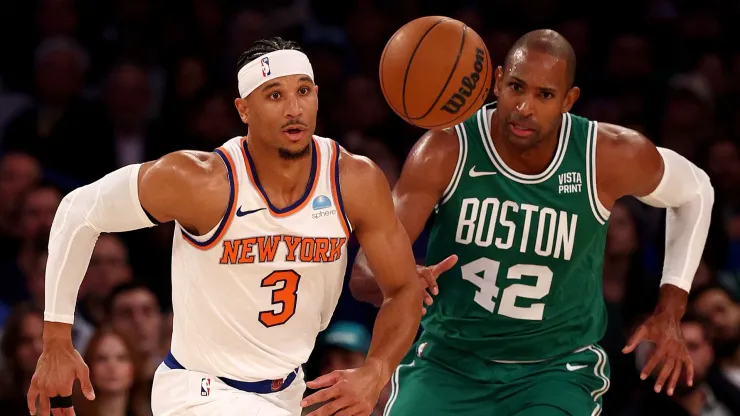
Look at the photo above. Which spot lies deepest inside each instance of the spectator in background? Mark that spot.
(697, 400)
(130, 136)
(117, 376)
(627, 292)
(21, 347)
(135, 313)
(37, 211)
(85, 76)
(343, 345)
(687, 120)
(109, 267)
(722, 314)
(56, 128)
(18, 173)
(212, 120)
(190, 75)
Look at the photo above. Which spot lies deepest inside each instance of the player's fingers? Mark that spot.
(83, 373)
(44, 406)
(635, 339)
(33, 392)
(671, 386)
(427, 298)
(652, 363)
(444, 265)
(668, 366)
(689, 363)
(321, 396)
(324, 381)
(332, 407)
(428, 280)
(58, 412)
(355, 410)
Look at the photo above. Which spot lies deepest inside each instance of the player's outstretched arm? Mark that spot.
(369, 208)
(627, 163)
(130, 198)
(426, 173)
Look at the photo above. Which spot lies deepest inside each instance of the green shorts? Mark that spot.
(436, 380)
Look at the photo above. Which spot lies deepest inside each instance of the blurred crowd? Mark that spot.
(88, 86)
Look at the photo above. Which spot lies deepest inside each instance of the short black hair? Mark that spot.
(265, 46)
(702, 290)
(125, 288)
(551, 43)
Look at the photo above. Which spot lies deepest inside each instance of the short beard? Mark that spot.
(286, 154)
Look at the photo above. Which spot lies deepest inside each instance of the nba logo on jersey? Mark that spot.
(205, 386)
(320, 202)
(265, 66)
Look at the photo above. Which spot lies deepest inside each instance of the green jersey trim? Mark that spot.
(597, 208)
(483, 126)
(462, 157)
(599, 371)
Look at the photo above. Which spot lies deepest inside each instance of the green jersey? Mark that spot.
(527, 285)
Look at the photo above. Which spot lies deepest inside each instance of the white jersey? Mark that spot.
(251, 296)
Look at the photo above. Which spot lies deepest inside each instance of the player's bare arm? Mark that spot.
(369, 207)
(629, 164)
(426, 173)
(190, 187)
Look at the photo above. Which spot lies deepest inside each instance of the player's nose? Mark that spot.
(293, 108)
(524, 107)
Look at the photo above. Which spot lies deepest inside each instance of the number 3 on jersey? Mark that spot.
(488, 288)
(285, 296)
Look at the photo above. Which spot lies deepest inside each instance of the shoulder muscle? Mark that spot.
(627, 163)
(365, 189)
(430, 163)
(187, 186)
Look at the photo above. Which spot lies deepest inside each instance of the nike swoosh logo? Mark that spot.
(572, 367)
(240, 213)
(474, 174)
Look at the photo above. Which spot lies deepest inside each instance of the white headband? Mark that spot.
(270, 66)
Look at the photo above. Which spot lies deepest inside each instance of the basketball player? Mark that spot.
(522, 192)
(258, 258)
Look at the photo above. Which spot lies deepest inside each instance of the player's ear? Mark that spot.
(243, 109)
(570, 98)
(497, 76)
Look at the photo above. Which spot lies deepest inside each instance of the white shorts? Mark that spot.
(191, 393)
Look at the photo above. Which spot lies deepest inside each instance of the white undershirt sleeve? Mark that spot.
(686, 192)
(110, 204)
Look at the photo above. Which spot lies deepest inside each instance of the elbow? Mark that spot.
(706, 190)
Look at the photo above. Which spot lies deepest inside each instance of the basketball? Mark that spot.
(435, 72)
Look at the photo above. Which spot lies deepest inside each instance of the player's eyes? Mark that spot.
(303, 90)
(547, 95)
(275, 95)
(514, 86)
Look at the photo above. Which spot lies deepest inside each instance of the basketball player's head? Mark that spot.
(278, 98)
(535, 87)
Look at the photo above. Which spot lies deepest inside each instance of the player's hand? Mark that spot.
(56, 370)
(428, 276)
(352, 392)
(670, 349)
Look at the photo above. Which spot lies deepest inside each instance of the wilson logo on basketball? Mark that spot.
(467, 85)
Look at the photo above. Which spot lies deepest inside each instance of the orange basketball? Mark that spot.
(435, 72)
